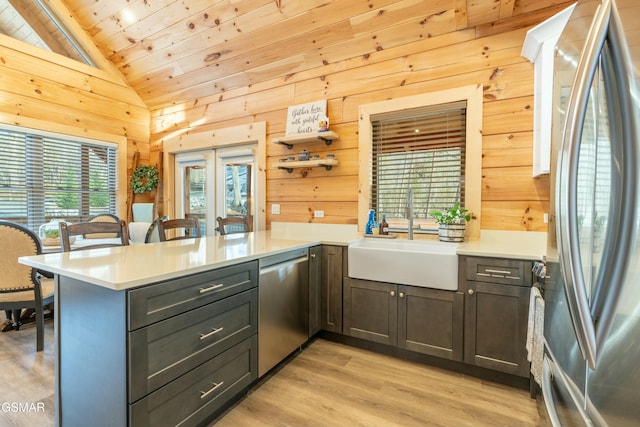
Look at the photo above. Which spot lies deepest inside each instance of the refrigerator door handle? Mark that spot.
(569, 253)
(624, 136)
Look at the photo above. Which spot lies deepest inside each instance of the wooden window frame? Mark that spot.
(472, 96)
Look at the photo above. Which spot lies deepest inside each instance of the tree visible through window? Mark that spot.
(422, 150)
(44, 178)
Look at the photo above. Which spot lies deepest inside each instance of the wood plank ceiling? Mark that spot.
(175, 51)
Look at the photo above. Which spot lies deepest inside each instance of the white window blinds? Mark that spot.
(424, 150)
(47, 177)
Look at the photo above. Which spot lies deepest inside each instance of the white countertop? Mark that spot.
(529, 245)
(126, 267)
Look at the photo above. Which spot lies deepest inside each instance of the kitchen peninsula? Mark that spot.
(129, 327)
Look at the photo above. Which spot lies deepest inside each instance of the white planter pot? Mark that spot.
(451, 232)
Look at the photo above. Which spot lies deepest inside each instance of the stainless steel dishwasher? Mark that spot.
(283, 308)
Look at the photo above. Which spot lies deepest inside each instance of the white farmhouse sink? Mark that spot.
(425, 263)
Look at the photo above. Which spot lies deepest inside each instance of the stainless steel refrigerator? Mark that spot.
(592, 291)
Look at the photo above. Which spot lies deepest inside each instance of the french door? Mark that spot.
(212, 183)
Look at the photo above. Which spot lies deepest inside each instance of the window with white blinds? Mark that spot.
(45, 177)
(423, 150)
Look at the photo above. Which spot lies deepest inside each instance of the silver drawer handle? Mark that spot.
(497, 271)
(213, 332)
(483, 274)
(211, 288)
(204, 394)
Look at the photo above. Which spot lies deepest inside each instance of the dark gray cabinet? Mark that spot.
(370, 310)
(315, 289)
(193, 397)
(169, 353)
(428, 321)
(193, 338)
(334, 267)
(497, 295)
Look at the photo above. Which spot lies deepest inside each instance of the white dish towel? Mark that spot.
(535, 333)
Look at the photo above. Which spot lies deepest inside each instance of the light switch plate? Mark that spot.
(318, 214)
(275, 209)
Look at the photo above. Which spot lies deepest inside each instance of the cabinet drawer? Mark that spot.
(503, 271)
(161, 352)
(163, 300)
(194, 397)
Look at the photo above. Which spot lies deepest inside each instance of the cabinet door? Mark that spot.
(315, 289)
(430, 321)
(371, 310)
(496, 327)
(332, 272)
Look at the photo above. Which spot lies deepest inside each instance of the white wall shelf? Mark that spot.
(290, 165)
(291, 140)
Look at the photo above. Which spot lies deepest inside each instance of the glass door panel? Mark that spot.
(194, 182)
(195, 194)
(236, 183)
(237, 178)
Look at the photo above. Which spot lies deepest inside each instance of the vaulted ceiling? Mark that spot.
(177, 50)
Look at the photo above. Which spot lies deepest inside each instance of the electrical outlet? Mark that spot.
(318, 214)
(275, 209)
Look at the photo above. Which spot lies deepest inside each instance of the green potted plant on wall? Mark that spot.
(451, 223)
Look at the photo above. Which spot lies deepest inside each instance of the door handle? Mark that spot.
(567, 184)
(624, 128)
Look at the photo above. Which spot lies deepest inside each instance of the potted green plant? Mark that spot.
(451, 223)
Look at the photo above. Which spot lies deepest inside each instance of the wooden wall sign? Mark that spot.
(306, 118)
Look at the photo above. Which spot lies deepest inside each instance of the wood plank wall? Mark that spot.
(43, 90)
(511, 198)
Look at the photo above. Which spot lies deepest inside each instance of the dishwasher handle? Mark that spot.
(287, 263)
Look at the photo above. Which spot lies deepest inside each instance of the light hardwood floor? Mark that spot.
(327, 384)
(330, 384)
(26, 378)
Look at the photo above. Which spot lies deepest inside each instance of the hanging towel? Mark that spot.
(535, 334)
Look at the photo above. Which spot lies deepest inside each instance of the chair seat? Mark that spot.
(47, 286)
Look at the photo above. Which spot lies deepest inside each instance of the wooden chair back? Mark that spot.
(110, 234)
(233, 224)
(182, 228)
(22, 286)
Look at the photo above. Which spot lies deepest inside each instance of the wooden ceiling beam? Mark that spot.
(462, 21)
(506, 8)
(33, 16)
